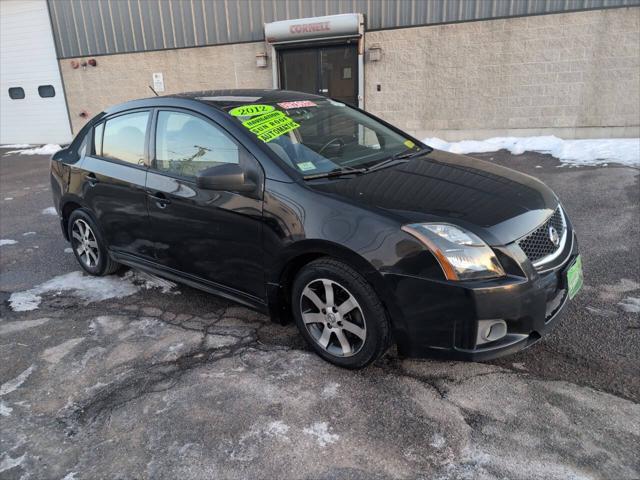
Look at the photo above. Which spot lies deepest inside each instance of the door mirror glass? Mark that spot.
(230, 177)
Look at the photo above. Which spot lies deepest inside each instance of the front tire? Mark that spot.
(339, 314)
(88, 245)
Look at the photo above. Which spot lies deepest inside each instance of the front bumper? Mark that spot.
(440, 318)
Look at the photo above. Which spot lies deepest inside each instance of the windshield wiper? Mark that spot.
(398, 158)
(337, 172)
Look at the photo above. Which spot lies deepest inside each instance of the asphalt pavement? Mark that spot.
(134, 377)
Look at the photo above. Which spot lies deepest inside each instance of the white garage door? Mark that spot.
(29, 73)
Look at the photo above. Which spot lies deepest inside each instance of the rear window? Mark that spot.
(124, 137)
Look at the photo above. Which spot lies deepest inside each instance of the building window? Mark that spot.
(16, 93)
(46, 91)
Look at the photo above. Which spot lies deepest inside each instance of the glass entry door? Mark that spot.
(331, 71)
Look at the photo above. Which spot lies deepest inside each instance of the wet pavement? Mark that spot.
(134, 377)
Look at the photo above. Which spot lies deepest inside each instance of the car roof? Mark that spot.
(224, 99)
(219, 99)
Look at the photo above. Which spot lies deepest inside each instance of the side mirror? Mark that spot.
(228, 176)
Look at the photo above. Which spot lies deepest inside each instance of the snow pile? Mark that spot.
(49, 211)
(6, 241)
(572, 152)
(87, 288)
(48, 149)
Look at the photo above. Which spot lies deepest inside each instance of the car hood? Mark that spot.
(497, 203)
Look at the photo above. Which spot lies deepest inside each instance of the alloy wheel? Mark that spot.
(333, 317)
(85, 243)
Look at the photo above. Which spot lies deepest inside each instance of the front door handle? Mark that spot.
(161, 200)
(91, 179)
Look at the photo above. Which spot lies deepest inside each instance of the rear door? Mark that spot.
(113, 181)
(214, 236)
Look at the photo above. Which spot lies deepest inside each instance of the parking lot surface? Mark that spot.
(131, 376)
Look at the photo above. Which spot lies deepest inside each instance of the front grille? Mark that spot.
(537, 245)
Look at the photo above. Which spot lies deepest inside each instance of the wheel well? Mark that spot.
(68, 208)
(282, 311)
(287, 276)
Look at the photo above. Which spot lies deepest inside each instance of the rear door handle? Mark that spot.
(161, 200)
(91, 179)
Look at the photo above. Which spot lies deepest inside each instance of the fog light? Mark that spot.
(490, 331)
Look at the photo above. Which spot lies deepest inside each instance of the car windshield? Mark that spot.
(322, 136)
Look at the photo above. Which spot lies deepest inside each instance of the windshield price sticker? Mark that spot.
(270, 126)
(251, 110)
(298, 104)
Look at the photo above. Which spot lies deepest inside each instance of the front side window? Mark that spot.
(186, 144)
(321, 136)
(16, 93)
(124, 137)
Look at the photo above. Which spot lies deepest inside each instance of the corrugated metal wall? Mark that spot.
(95, 27)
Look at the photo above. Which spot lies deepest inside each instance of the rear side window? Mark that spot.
(124, 137)
(46, 91)
(186, 144)
(16, 93)
(97, 138)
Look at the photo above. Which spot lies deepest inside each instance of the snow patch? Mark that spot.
(630, 304)
(277, 429)
(320, 430)
(437, 441)
(8, 198)
(12, 385)
(5, 410)
(48, 149)
(16, 145)
(330, 390)
(49, 211)
(70, 476)
(88, 288)
(8, 463)
(147, 281)
(625, 151)
(5, 241)
(68, 250)
(27, 234)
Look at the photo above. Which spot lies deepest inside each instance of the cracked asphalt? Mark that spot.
(162, 381)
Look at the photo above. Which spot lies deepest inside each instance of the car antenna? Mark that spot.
(153, 90)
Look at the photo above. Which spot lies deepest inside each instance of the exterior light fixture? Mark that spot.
(261, 60)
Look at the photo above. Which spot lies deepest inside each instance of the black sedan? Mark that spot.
(303, 207)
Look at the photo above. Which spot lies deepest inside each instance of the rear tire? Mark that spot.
(89, 246)
(339, 314)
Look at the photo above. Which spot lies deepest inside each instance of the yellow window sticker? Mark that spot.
(306, 166)
(270, 125)
(409, 144)
(251, 110)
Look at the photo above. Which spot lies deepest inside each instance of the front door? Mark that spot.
(331, 71)
(215, 236)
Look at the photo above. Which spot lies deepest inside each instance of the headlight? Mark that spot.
(461, 254)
